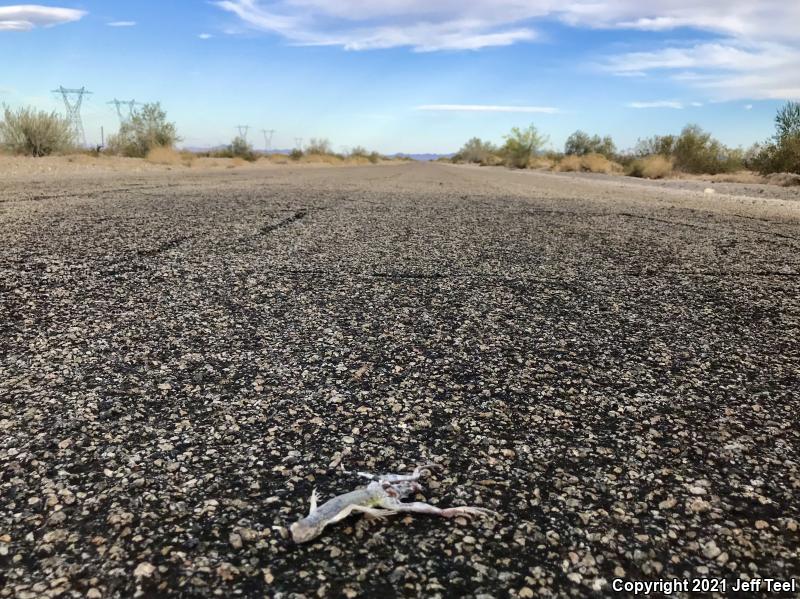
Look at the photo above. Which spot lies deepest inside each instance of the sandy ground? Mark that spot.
(185, 355)
(23, 168)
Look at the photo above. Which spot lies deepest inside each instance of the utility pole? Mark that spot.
(73, 100)
(268, 133)
(243, 130)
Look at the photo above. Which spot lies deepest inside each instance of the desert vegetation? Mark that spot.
(34, 132)
(781, 154)
(692, 152)
(146, 130)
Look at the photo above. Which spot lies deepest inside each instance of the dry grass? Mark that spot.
(169, 157)
(651, 167)
(569, 164)
(737, 177)
(591, 163)
(321, 159)
(540, 162)
(597, 163)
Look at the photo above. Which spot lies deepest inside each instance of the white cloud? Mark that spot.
(729, 69)
(657, 104)
(205, 36)
(122, 24)
(486, 108)
(754, 51)
(470, 24)
(24, 17)
(748, 107)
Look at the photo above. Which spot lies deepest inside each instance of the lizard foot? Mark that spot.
(469, 512)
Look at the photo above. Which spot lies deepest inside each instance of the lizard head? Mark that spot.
(304, 530)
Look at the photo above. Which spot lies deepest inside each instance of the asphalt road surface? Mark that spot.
(614, 367)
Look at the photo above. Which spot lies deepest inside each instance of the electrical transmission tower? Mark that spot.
(298, 143)
(268, 133)
(243, 130)
(73, 100)
(125, 109)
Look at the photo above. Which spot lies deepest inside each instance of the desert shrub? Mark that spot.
(35, 132)
(598, 163)
(359, 152)
(147, 129)
(581, 143)
(319, 146)
(782, 153)
(240, 148)
(590, 163)
(661, 145)
(475, 151)
(651, 167)
(521, 145)
(696, 151)
(296, 154)
(569, 164)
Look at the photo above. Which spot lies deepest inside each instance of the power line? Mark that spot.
(124, 115)
(73, 100)
(243, 130)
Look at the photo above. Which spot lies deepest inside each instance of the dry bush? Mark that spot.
(597, 163)
(491, 160)
(651, 167)
(569, 164)
(784, 179)
(314, 158)
(35, 132)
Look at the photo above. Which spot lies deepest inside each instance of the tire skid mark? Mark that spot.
(299, 215)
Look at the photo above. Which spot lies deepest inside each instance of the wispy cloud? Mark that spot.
(729, 69)
(24, 17)
(657, 104)
(205, 36)
(122, 24)
(486, 108)
(754, 51)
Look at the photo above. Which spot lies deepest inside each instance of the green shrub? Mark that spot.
(35, 132)
(693, 151)
(374, 157)
(658, 145)
(296, 154)
(521, 145)
(239, 148)
(782, 153)
(147, 129)
(319, 146)
(581, 144)
(476, 150)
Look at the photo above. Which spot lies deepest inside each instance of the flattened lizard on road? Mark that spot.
(378, 500)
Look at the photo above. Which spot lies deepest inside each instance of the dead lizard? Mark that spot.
(381, 498)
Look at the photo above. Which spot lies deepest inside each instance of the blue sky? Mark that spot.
(412, 75)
